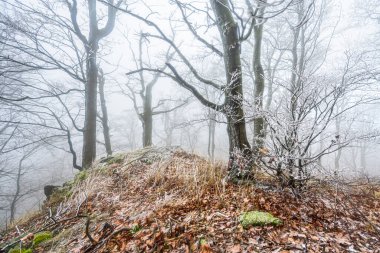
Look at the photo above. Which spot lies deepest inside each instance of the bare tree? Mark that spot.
(145, 95)
(91, 46)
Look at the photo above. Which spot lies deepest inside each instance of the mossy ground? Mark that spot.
(18, 250)
(41, 237)
(116, 159)
(37, 240)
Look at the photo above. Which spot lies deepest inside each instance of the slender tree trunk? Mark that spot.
(363, 153)
(211, 135)
(148, 118)
(339, 152)
(168, 129)
(17, 193)
(104, 118)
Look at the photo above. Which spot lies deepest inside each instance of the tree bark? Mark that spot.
(211, 135)
(104, 118)
(258, 122)
(148, 117)
(89, 135)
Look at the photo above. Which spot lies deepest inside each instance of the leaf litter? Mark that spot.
(166, 200)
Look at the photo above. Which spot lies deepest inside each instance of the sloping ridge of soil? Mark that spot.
(166, 200)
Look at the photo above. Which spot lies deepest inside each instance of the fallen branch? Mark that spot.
(97, 246)
(88, 232)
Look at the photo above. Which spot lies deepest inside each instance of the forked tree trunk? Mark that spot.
(91, 86)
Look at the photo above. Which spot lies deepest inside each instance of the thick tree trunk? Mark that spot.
(89, 135)
(104, 118)
(240, 150)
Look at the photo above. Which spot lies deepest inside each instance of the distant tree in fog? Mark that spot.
(142, 93)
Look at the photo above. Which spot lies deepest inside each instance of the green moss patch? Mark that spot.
(41, 237)
(202, 241)
(17, 250)
(135, 229)
(257, 218)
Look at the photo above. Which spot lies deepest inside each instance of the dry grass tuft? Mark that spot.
(187, 174)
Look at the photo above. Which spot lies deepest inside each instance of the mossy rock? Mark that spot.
(41, 237)
(59, 195)
(257, 218)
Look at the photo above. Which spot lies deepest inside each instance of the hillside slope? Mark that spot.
(165, 200)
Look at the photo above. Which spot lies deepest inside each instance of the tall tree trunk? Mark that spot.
(17, 193)
(104, 118)
(258, 122)
(89, 135)
(240, 150)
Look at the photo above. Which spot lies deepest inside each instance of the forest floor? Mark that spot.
(160, 200)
